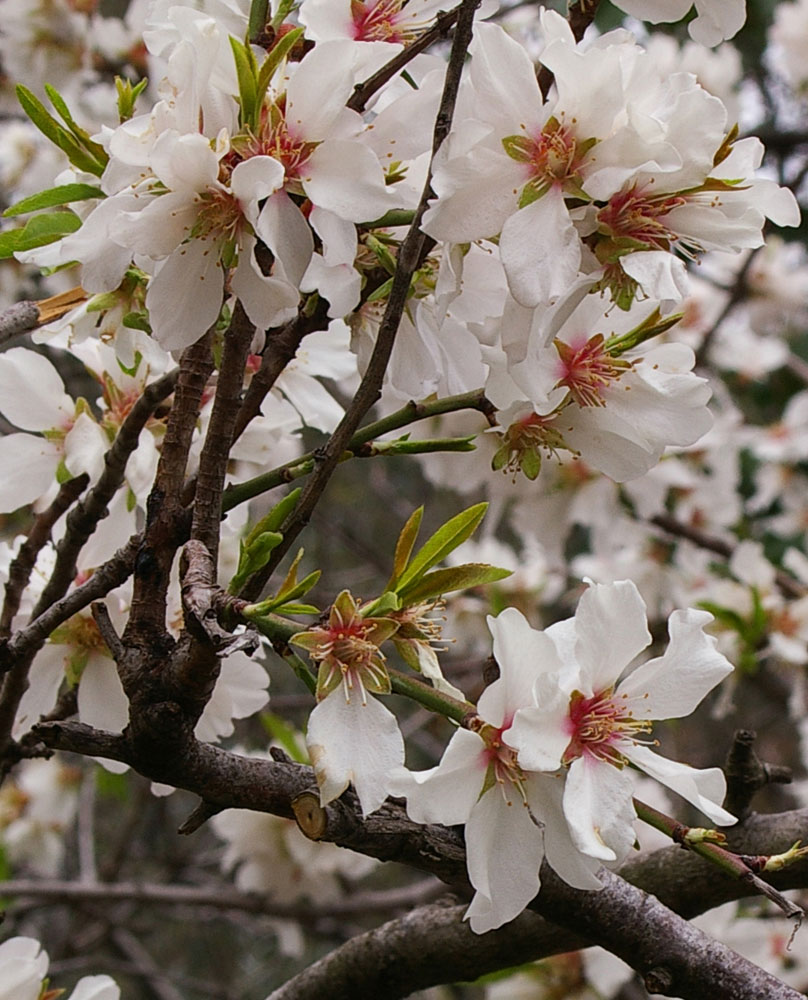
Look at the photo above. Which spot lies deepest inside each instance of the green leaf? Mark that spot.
(274, 518)
(82, 135)
(62, 195)
(404, 545)
(301, 588)
(445, 540)
(259, 15)
(58, 135)
(38, 232)
(127, 96)
(445, 581)
(277, 54)
(246, 71)
(253, 556)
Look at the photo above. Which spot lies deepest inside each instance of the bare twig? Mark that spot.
(19, 572)
(440, 29)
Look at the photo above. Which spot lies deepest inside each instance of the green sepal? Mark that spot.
(445, 540)
(530, 463)
(381, 253)
(137, 321)
(38, 232)
(654, 325)
(489, 781)
(519, 147)
(127, 96)
(64, 194)
(446, 581)
(63, 474)
(532, 191)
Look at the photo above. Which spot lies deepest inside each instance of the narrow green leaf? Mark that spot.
(280, 50)
(272, 520)
(96, 150)
(259, 15)
(404, 545)
(445, 581)
(301, 588)
(57, 134)
(37, 232)
(445, 540)
(247, 84)
(50, 198)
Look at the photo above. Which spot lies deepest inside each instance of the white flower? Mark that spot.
(512, 814)
(601, 725)
(24, 966)
(715, 21)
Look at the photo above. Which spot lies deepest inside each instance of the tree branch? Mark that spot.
(409, 257)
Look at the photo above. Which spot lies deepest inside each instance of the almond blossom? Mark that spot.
(599, 730)
(512, 813)
(352, 738)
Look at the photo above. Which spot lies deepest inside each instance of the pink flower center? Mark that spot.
(586, 369)
(631, 215)
(378, 21)
(599, 724)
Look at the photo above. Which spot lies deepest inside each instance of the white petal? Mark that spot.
(345, 177)
(504, 851)
(29, 467)
(612, 629)
(670, 686)
(96, 988)
(523, 654)
(545, 796)
(704, 789)
(540, 250)
(446, 793)
(185, 296)
(595, 793)
(350, 741)
(32, 394)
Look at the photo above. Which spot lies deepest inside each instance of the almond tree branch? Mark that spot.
(207, 507)
(19, 572)
(415, 245)
(440, 29)
(166, 519)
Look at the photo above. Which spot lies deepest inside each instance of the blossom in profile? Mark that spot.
(352, 738)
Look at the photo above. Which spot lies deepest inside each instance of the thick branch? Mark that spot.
(166, 526)
(218, 439)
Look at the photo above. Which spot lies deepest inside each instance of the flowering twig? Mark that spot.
(440, 29)
(409, 258)
(707, 844)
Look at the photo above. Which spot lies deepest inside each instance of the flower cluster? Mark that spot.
(545, 768)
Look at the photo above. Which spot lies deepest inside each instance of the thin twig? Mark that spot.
(409, 257)
(19, 572)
